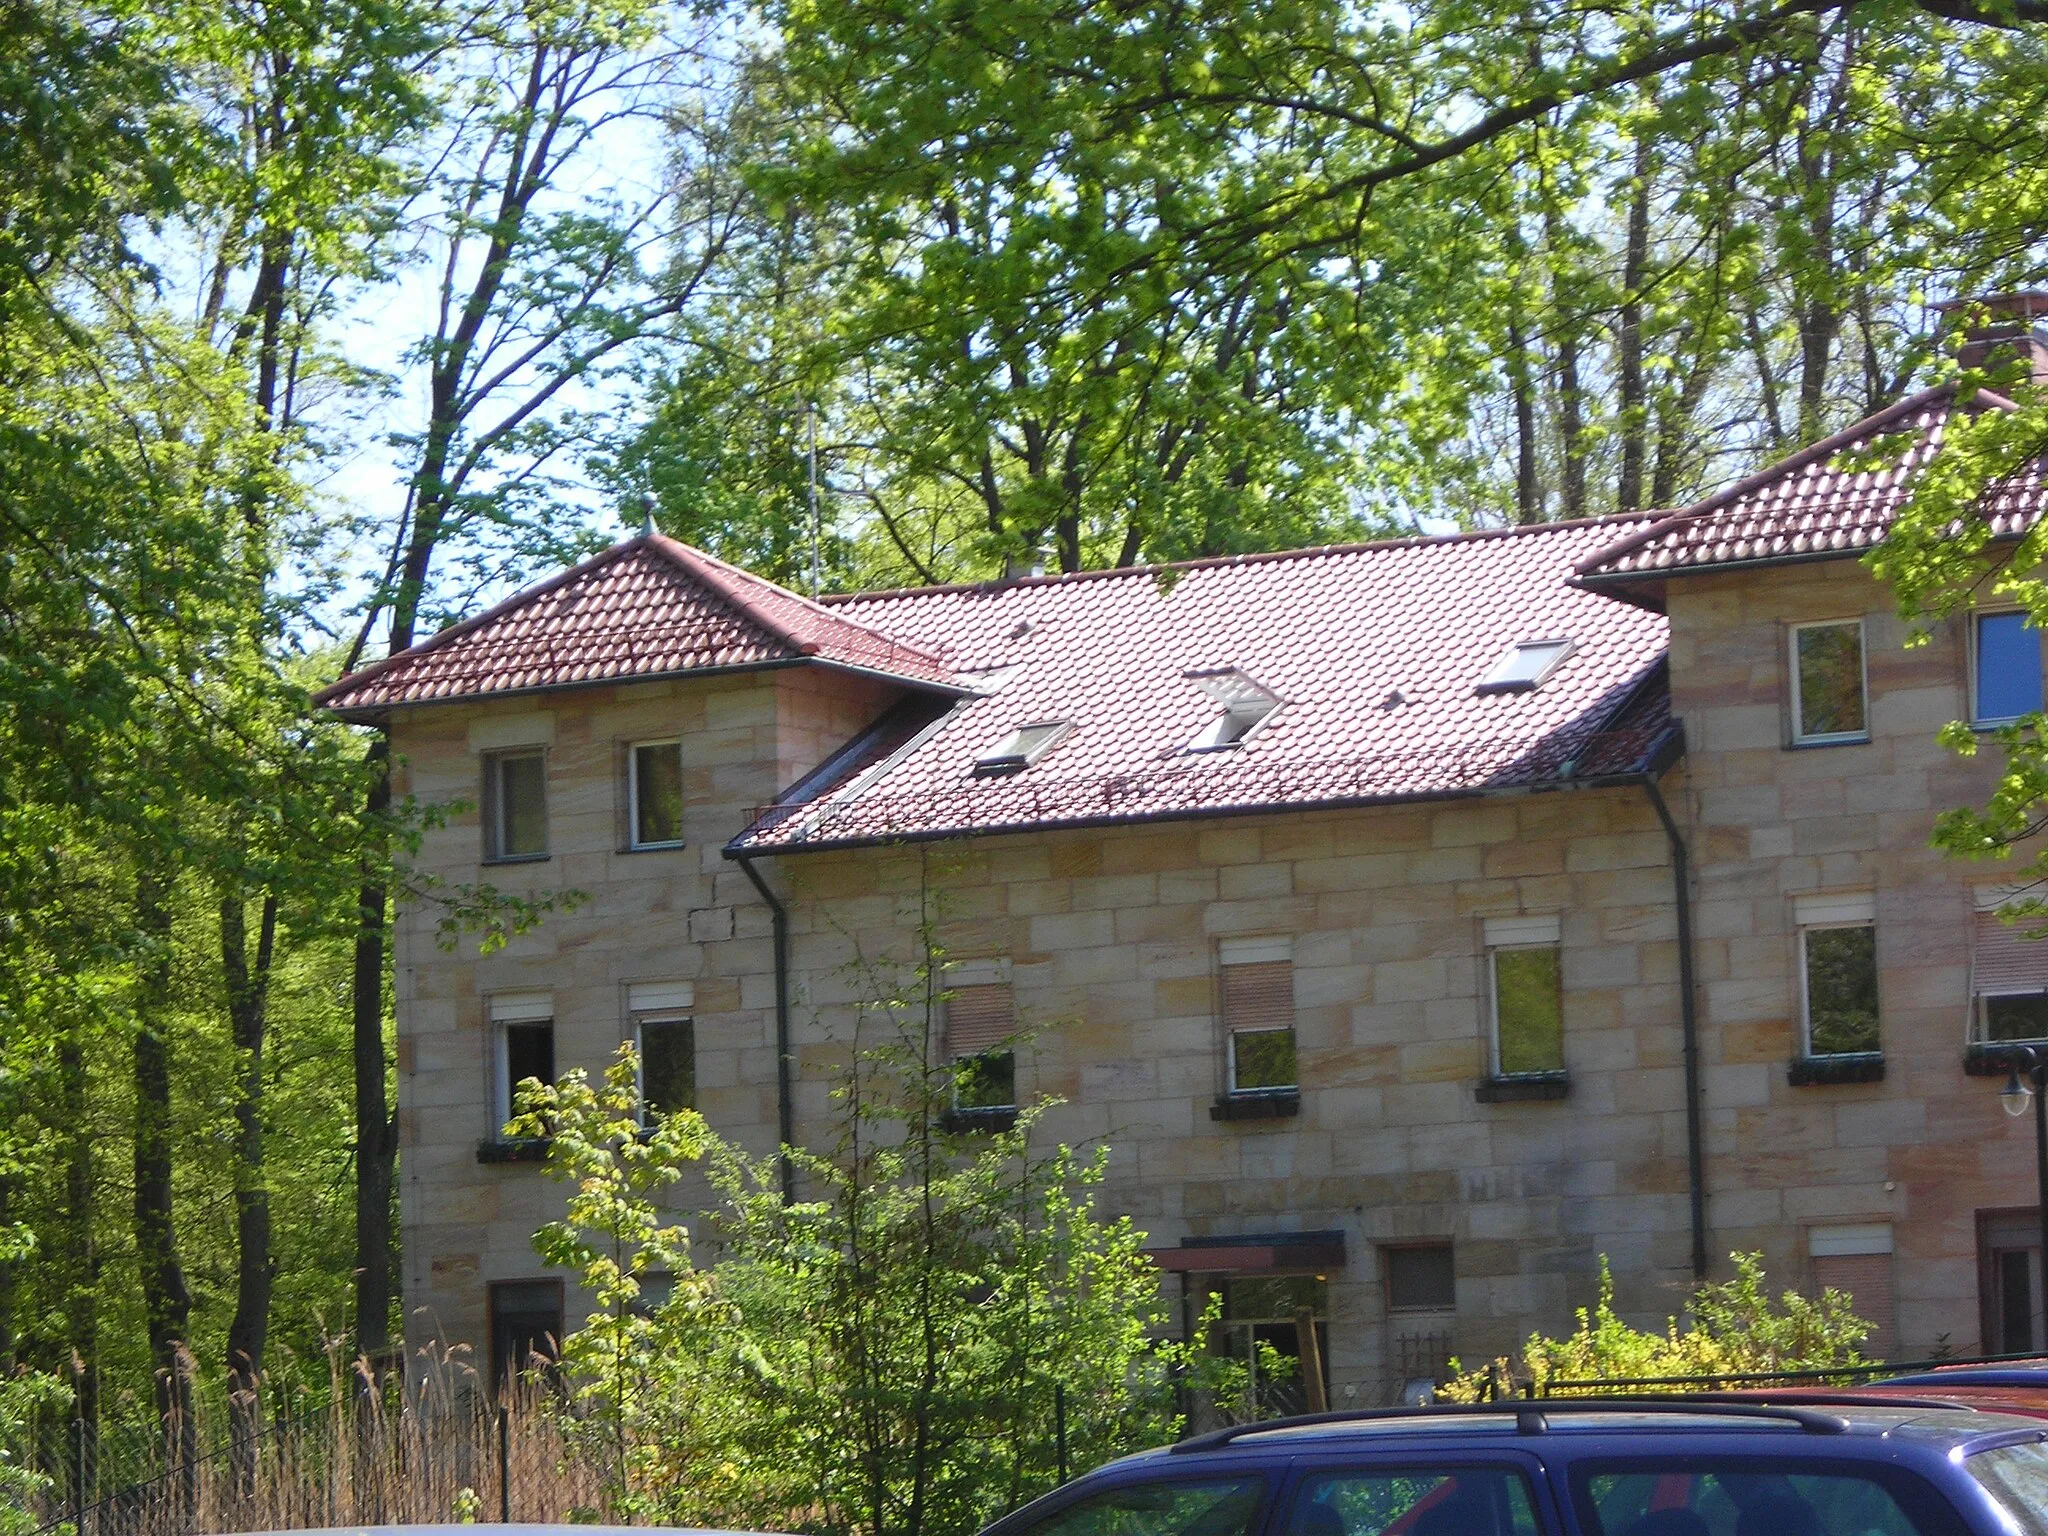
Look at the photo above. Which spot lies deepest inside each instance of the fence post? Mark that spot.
(504, 1464)
(1059, 1424)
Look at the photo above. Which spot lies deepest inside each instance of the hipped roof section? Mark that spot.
(1814, 504)
(650, 607)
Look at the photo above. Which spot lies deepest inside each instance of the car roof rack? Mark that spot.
(1530, 1415)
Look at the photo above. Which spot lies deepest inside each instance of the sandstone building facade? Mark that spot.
(1416, 923)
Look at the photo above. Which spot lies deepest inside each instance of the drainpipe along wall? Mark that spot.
(785, 1107)
(1689, 1025)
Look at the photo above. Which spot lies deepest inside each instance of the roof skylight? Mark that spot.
(1020, 748)
(1247, 704)
(1526, 665)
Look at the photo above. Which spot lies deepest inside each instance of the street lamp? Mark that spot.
(2012, 1098)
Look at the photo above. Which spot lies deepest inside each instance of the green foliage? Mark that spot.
(1734, 1327)
(880, 1355)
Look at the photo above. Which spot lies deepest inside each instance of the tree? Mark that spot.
(883, 1354)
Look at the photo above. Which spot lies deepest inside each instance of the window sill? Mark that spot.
(517, 858)
(521, 1149)
(1817, 742)
(1264, 1104)
(979, 1122)
(1523, 1088)
(1987, 1058)
(1848, 1067)
(654, 847)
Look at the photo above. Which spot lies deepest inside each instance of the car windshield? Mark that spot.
(2017, 1477)
(1695, 1498)
(1218, 1507)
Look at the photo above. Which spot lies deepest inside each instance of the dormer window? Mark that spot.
(1526, 666)
(1247, 704)
(1020, 749)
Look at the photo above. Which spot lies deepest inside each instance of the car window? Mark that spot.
(1751, 1499)
(1224, 1507)
(2017, 1476)
(1414, 1501)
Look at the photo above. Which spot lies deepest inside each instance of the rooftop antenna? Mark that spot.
(811, 418)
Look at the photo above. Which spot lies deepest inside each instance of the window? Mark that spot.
(666, 1037)
(654, 790)
(2009, 1269)
(1838, 973)
(1828, 686)
(1266, 1309)
(524, 1026)
(1020, 748)
(1527, 664)
(526, 1327)
(1856, 1259)
(1524, 965)
(1247, 704)
(2017, 1477)
(980, 1019)
(1180, 1507)
(1421, 1277)
(2006, 672)
(516, 805)
(2008, 973)
(1258, 1015)
(1416, 1499)
(1737, 1497)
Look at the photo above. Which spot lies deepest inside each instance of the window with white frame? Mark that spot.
(2005, 667)
(1830, 702)
(1258, 1015)
(515, 804)
(1526, 665)
(522, 1047)
(2008, 972)
(980, 1021)
(654, 793)
(1838, 973)
(1017, 750)
(1247, 705)
(1525, 981)
(665, 1036)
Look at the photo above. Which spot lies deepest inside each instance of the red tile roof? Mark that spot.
(1376, 651)
(650, 607)
(1811, 506)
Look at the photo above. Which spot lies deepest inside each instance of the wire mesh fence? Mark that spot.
(433, 1448)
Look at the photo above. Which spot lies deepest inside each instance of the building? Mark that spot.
(1417, 922)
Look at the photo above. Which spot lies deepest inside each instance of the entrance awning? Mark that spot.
(1253, 1253)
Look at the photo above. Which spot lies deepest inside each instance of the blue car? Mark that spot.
(1846, 1467)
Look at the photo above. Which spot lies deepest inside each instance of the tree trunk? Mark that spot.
(166, 1299)
(249, 1328)
(82, 1266)
(1528, 488)
(1633, 413)
(376, 1143)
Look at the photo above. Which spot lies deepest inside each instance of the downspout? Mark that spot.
(785, 1107)
(1689, 1024)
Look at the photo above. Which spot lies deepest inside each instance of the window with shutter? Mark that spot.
(1857, 1261)
(980, 1019)
(1258, 1015)
(1838, 972)
(2008, 974)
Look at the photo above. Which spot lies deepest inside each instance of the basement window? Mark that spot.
(1526, 666)
(1020, 748)
(1247, 705)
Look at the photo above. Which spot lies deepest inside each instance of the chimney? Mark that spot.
(2003, 335)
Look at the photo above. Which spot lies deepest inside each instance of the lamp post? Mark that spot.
(2012, 1098)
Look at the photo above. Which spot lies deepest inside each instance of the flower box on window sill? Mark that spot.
(1995, 1058)
(1264, 1104)
(1847, 1067)
(1523, 1088)
(518, 1149)
(979, 1122)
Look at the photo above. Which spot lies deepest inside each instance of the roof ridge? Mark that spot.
(730, 580)
(1826, 448)
(370, 671)
(831, 600)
